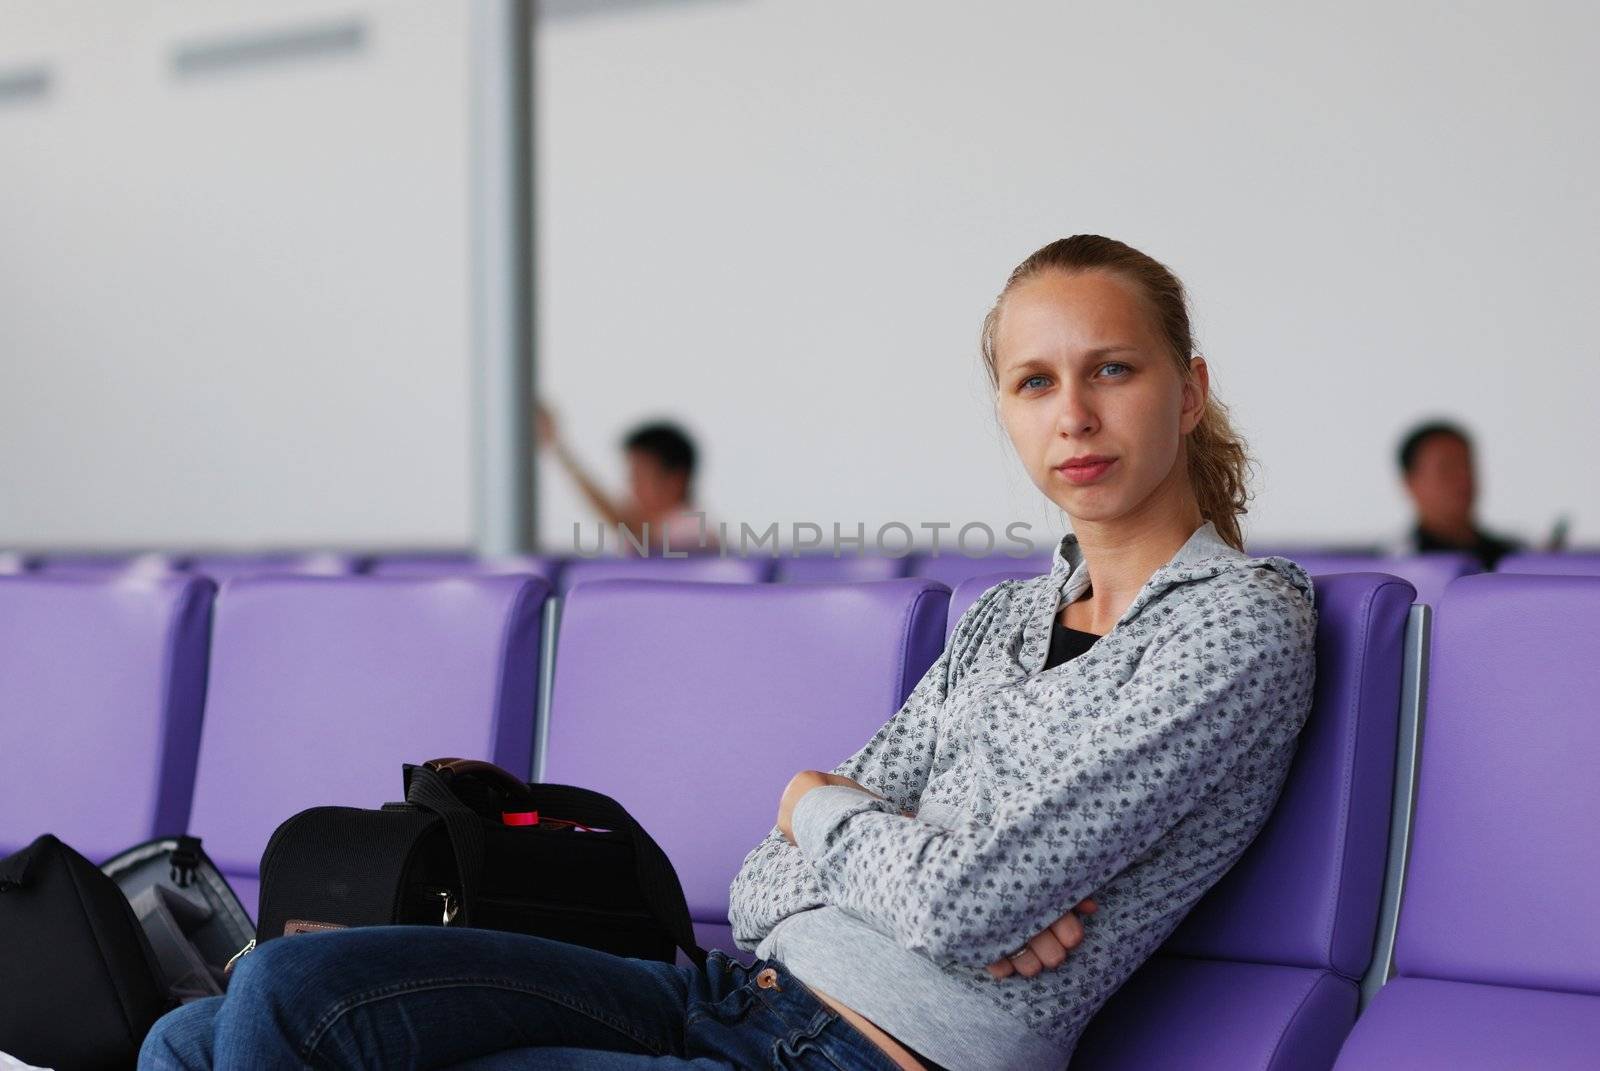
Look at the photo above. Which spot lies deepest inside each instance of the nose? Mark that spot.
(1075, 417)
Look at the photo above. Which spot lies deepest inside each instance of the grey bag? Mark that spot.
(192, 918)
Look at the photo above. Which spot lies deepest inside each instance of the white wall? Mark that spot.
(783, 221)
(234, 307)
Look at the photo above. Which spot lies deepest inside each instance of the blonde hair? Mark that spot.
(1219, 461)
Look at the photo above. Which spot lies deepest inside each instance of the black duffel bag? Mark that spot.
(474, 846)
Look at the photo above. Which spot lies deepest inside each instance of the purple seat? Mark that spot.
(694, 704)
(952, 568)
(700, 568)
(321, 687)
(545, 568)
(1430, 573)
(90, 564)
(811, 567)
(1497, 958)
(1264, 972)
(220, 567)
(102, 682)
(1566, 563)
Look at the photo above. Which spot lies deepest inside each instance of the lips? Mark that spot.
(1086, 470)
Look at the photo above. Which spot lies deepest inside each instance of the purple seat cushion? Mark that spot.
(1217, 1016)
(220, 567)
(700, 568)
(950, 568)
(1575, 563)
(102, 682)
(1418, 1024)
(694, 704)
(322, 687)
(1508, 803)
(466, 565)
(808, 567)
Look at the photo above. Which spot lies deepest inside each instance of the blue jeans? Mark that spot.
(477, 1000)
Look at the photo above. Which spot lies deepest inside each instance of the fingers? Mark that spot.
(1048, 949)
(1026, 962)
(1067, 930)
(1042, 953)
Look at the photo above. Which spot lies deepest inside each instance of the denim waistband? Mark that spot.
(795, 1004)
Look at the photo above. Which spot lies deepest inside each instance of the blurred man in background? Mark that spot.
(658, 513)
(1437, 468)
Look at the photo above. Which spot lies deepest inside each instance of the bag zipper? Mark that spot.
(227, 970)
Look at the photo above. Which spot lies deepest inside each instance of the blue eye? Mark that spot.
(1123, 369)
(1032, 379)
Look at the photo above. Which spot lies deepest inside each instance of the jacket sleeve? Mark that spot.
(775, 880)
(1197, 704)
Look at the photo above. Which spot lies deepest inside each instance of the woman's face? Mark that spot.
(1091, 397)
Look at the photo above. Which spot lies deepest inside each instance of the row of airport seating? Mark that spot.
(949, 566)
(1442, 893)
(1428, 573)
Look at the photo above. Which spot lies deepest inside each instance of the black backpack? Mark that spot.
(91, 957)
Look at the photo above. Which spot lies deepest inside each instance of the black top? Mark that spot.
(1486, 548)
(1067, 644)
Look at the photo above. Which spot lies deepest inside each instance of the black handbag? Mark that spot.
(474, 846)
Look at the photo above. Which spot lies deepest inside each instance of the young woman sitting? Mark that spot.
(1094, 748)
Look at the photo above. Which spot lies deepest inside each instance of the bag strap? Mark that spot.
(426, 788)
(658, 881)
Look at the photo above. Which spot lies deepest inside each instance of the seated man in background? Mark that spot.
(659, 514)
(1436, 465)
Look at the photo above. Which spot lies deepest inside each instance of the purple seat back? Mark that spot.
(220, 567)
(322, 687)
(1430, 574)
(1504, 830)
(87, 564)
(951, 568)
(102, 683)
(545, 568)
(1508, 803)
(1573, 563)
(1263, 973)
(700, 568)
(825, 567)
(694, 704)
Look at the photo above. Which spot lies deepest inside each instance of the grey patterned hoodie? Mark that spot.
(1136, 773)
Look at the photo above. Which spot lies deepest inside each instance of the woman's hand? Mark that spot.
(1047, 949)
(804, 782)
